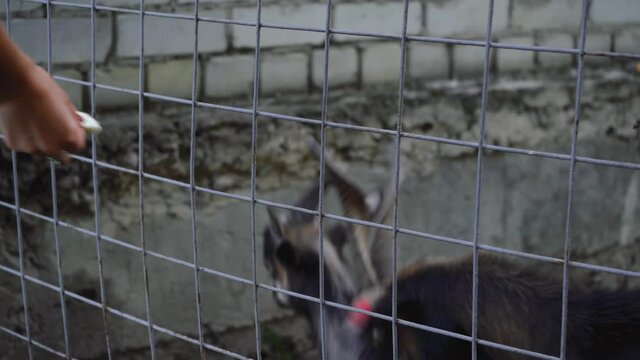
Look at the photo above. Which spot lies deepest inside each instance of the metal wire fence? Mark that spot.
(324, 123)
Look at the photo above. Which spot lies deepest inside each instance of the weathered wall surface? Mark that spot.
(523, 199)
(531, 106)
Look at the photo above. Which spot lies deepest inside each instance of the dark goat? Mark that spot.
(292, 256)
(517, 306)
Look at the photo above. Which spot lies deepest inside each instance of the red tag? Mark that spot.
(360, 320)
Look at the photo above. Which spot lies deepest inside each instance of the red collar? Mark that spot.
(360, 320)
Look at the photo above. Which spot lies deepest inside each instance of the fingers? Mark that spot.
(60, 131)
(70, 134)
(19, 136)
(42, 120)
(72, 109)
(62, 157)
(75, 139)
(57, 147)
(36, 142)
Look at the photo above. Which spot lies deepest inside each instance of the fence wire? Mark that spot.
(54, 200)
(572, 173)
(145, 273)
(323, 123)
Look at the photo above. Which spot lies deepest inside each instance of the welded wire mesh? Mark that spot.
(324, 123)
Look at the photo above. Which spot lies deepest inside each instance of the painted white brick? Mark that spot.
(428, 61)
(378, 17)
(628, 41)
(554, 14)
(343, 67)
(615, 11)
(467, 17)
(229, 76)
(18, 6)
(515, 60)
(70, 39)
(123, 77)
(171, 78)
(276, 37)
(311, 15)
(74, 91)
(597, 42)
(83, 2)
(381, 63)
(556, 40)
(131, 4)
(468, 61)
(165, 36)
(283, 72)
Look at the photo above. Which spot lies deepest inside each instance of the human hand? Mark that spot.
(38, 118)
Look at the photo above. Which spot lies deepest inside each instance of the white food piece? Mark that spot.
(89, 124)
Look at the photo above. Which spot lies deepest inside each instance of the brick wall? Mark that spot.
(292, 59)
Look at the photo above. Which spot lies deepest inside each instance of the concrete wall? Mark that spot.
(226, 51)
(531, 104)
(523, 201)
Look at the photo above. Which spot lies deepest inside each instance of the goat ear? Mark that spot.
(286, 254)
(351, 197)
(354, 204)
(309, 200)
(275, 224)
